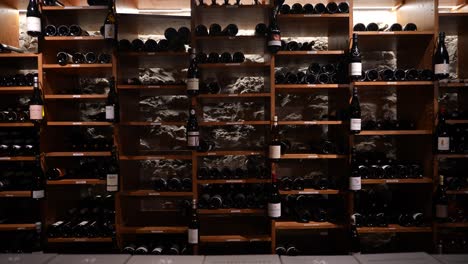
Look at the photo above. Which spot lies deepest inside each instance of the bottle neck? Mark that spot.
(355, 43)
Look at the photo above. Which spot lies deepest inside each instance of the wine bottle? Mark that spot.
(355, 64)
(174, 184)
(110, 23)
(36, 104)
(158, 249)
(78, 58)
(359, 27)
(396, 27)
(372, 75)
(50, 30)
(38, 184)
(372, 27)
(261, 30)
(141, 250)
(193, 75)
(104, 58)
(355, 242)
(343, 7)
(33, 19)
(213, 57)
(238, 57)
(193, 132)
(441, 59)
(201, 31)
(112, 102)
(90, 57)
(442, 133)
(355, 113)
(296, 9)
(151, 45)
(275, 143)
(274, 33)
(410, 27)
(112, 177)
(308, 8)
(386, 75)
(411, 75)
(230, 30)
(291, 78)
(441, 201)
(76, 30)
(291, 250)
(226, 57)
(285, 9)
(280, 250)
(332, 8)
(399, 75)
(274, 199)
(184, 34)
(320, 8)
(215, 29)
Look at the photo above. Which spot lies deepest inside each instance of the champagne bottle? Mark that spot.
(33, 19)
(38, 184)
(355, 64)
(110, 23)
(443, 135)
(112, 111)
(36, 104)
(275, 143)
(194, 225)
(274, 199)
(441, 59)
(355, 113)
(441, 201)
(193, 132)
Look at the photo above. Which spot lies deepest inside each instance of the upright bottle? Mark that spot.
(355, 64)
(33, 19)
(443, 136)
(441, 59)
(355, 113)
(112, 103)
(38, 182)
(193, 225)
(110, 23)
(193, 133)
(355, 176)
(275, 143)
(274, 33)
(274, 198)
(355, 243)
(36, 104)
(112, 176)
(193, 75)
(441, 201)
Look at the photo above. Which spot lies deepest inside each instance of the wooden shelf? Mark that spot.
(234, 7)
(153, 54)
(245, 95)
(75, 8)
(238, 38)
(229, 153)
(394, 132)
(307, 123)
(152, 229)
(18, 55)
(80, 240)
(453, 225)
(314, 16)
(234, 238)
(462, 191)
(79, 154)
(74, 38)
(16, 89)
(235, 123)
(19, 158)
(281, 225)
(77, 182)
(231, 211)
(394, 228)
(69, 123)
(78, 66)
(14, 194)
(310, 86)
(453, 85)
(402, 83)
(162, 157)
(151, 87)
(452, 156)
(234, 181)
(152, 193)
(313, 156)
(453, 121)
(22, 124)
(153, 123)
(396, 181)
(310, 191)
(75, 96)
(247, 65)
(17, 227)
(394, 33)
(309, 53)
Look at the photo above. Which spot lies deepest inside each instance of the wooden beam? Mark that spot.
(460, 5)
(398, 4)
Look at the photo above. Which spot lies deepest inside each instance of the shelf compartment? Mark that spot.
(19, 55)
(79, 154)
(282, 225)
(235, 7)
(77, 182)
(313, 156)
(235, 238)
(77, 66)
(397, 181)
(222, 38)
(246, 95)
(230, 153)
(21, 124)
(70, 123)
(162, 157)
(231, 211)
(394, 33)
(17, 227)
(338, 16)
(150, 87)
(75, 96)
(16, 89)
(80, 240)
(246, 65)
(14, 194)
(453, 225)
(392, 40)
(394, 132)
(309, 53)
(395, 228)
(74, 38)
(152, 193)
(152, 123)
(234, 181)
(452, 156)
(74, 8)
(453, 85)
(307, 123)
(152, 229)
(310, 86)
(19, 158)
(235, 123)
(153, 54)
(408, 83)
(310, 191)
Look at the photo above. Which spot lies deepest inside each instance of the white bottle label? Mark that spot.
(193, 138)
(35, 112)
(441, 211)
(193, 236)
(441, 68)
(110, 112)
(193, 84)
(274, 43)
(33, 24)
(274, 210)
(355, 183)
(38, 194)
(275, 152)
(112, 182)
(109, 31)
(443, 143)
(355, 69)
(355, 124)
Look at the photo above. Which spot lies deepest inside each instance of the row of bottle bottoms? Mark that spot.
(225, 173)
(64, 30)
(157, 248)
(64, 58)
(175, 40)
(14, 115)
(397, 75)
(81, 228)
(319, 8)
(452, 244)
(388, 170)
(18, 80)
(90, 2)
(217, 196)
(18, 148)
(225, 2)
(225, 57)
(394, 27)
(380, 219)
(304, 209)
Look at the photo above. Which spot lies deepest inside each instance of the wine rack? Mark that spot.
(150, 134)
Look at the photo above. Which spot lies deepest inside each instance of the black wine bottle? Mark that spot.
(410, 27)
(38, 183)
(112, 175)
(355, 64)
(359, 27)
(110, 23)
(441, 201)
(274, 33)
(355, 242)
(90, 57)
(33, 19)
(215, 30)
(50, 30)
(443, 134)
(112, 103)
(193, 225)
(36, 104)
(274, 199)
(230, 30)
(320, 8)
(193, 75)
(151, 45)
(275, 142)
(193, 132)
(355, 113)
(332, 8)
(441, 59)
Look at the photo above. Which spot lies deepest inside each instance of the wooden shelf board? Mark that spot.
(80, 240)
(313, 156)
(18, 55)
(74, 96)
(78, 66)
(161, 157)
(306, 123)
(230, 7)
(245, 95)
(77, 182)
(454, 85)
(151, 193)
(401, 83)
(150, 87)
(394, 132)
(228, 153)
(19, 158)
(13, 194)
(453, 14)
(462, 191)
(234, 181)
(311, 86)
(17, 227)
(231, 211)
(152, 229)
(16, 89)
(452, 156)
(142, 123)
(234, 238)
(396, 181)
(239, 38)
(395, 228)
(309, 53)
(75, 8)
(394, 33)
(233, 65)
(310, 191)
(314, 16)
(282, 225)
(234, 123)
(22, 124)
(79, 154)
(153, 54)
(453, 225)
(453, 121)
(80, 123)
(73, 38)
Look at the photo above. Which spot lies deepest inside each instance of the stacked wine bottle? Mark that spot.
(316, 74)
(175, 40)
(394, 27)
(319, 8)
(64, 58)
(397, 75)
